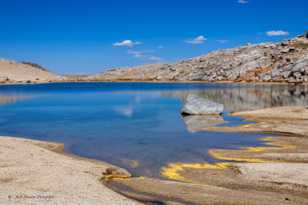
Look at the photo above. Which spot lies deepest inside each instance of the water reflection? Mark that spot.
(197, 123)
(126, 111)
(12, 98)
(251, 97)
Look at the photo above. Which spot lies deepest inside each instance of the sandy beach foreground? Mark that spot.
(34, 172)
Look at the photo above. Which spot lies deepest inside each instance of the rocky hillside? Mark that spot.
(286, 61)
(267, 62)
(25, 72)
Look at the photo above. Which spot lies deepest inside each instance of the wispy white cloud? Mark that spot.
(140, 54)
(136, 54)
(155, 58)
(160, 47)
(222, 41)
(126, 43)
(243, 1)
(146, 54)
(198, 40)
(277, 33)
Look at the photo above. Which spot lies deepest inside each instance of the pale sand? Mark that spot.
(287, 113)
(295, 173)
(18, 72)
(31, 173)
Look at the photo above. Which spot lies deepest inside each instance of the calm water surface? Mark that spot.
(137, 126)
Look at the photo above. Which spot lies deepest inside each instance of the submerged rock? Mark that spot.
(196, 105)
(113, 172)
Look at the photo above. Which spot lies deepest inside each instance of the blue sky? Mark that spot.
(88, 36)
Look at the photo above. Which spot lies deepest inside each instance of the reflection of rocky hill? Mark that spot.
(251, 97)
(7, 99)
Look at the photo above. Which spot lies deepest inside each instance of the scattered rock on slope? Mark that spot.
(266, 62)
(286, 62)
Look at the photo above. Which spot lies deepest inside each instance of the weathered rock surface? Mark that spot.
(33, 173)
(267, 62)
(196, 105)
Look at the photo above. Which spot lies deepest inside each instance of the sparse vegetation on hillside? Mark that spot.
(34, 65)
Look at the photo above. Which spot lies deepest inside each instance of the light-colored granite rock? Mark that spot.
(265, 62)
(196, 105)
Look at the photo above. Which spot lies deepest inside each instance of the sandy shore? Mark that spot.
(31, 172)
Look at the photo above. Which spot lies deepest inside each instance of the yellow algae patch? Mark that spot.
(272, 142)
(267, 139)
(275, 142)
(246, 126)
(172, 171)
(255, 149)
(221, 155)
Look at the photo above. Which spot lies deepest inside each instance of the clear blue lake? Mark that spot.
(137, 126)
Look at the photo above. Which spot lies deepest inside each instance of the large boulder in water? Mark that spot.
(196, 105)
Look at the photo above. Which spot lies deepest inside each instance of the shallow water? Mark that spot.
(137, 126)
